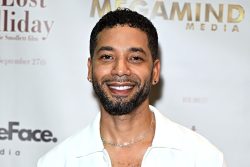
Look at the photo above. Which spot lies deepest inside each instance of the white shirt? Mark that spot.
(173, 146)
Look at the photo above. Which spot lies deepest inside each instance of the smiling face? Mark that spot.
(122, 69)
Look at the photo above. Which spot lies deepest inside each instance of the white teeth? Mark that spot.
(121, 87)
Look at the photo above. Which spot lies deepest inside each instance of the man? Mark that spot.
(128, 132)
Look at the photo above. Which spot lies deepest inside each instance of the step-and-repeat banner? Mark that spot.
(45, 96)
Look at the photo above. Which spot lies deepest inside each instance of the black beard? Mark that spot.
(119, 106)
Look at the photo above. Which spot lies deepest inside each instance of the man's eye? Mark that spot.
(136, 59)
(106, 57)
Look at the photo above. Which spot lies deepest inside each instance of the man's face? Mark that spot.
(122, 69)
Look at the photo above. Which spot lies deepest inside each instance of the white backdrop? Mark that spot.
(45, 96)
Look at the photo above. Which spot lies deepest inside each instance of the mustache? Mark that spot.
(131, 79)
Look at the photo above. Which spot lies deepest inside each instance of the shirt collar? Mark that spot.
(167, 133)
(90, 140)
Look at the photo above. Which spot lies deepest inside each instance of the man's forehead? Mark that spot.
(120, 28)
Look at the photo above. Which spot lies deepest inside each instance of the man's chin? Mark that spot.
(118, 109)
(119, 100)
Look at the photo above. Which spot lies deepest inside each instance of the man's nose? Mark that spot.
(121, 67)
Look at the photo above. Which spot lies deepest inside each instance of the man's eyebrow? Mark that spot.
(136, 49)
(105, 48)
(132, 49)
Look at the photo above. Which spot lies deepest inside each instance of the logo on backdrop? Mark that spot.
(196, 16)
(23, 20)
(15, 132)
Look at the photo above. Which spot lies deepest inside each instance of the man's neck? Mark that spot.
(126, 128)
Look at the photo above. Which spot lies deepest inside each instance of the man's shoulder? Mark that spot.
(188, 142)
(202, 149)
(194, 140)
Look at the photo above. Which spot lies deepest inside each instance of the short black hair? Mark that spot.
(125, 16)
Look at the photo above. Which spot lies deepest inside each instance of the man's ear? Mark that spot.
(89, 69)
(156, 72)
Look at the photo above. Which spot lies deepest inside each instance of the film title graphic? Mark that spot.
(196, 16)
(13, 131)
(24, 20)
